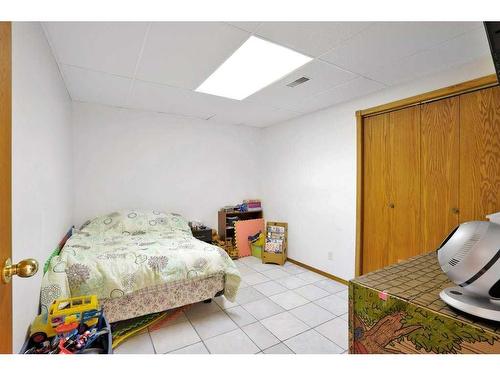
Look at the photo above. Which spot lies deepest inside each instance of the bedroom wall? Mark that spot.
(125, 158)
(312, 181)
(41, 163)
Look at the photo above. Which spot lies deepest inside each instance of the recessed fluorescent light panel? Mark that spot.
(253, 66)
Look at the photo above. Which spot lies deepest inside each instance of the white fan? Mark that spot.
(470, 256)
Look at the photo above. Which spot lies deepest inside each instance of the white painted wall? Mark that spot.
(310, 173)
(41, 163)
(125, 158)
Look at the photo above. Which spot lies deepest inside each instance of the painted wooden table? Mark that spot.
(398, 310)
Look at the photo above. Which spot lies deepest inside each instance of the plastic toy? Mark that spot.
(66, 316)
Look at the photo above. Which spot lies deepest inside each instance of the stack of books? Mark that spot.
(251, 205)
(274, 239)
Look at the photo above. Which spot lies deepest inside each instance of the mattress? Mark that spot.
(138, 262)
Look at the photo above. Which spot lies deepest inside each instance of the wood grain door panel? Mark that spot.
(404, 129)
(479, 154)
(376, 178)
(440, 146)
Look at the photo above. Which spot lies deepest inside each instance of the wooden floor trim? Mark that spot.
(322, 273)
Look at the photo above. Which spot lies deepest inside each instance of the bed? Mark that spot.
(138, 262)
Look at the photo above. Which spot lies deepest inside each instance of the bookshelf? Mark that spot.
(278, 233)
(226, 229)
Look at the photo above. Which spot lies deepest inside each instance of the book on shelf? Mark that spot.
(273, 247)
(251, 201)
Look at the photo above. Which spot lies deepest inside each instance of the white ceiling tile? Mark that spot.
(386, 42)
(457, 51)
(356, 88)
(247, 26)
(310, 38)
(162, 98)
(322, 77)
(241, 112)
(95, 87)
(111, 47)
(184, 54)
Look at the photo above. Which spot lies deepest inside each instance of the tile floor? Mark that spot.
(279, 310)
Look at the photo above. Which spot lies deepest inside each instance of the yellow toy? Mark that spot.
(83, 311)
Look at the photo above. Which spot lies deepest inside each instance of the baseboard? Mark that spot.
(322, 273)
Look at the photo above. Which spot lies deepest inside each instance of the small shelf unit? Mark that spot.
(226, 230)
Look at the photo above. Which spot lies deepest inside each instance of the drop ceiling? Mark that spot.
(157, 66)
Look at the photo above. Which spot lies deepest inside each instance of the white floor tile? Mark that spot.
(178, 319)
(334, 304)
(310, 277)
(312, 314)
(284, 325)
(240, 316)
(198, 348)
(292, 282)
(330, 286)
(248, 294)
(234, 342)
(269, 288)
(260, 335)
(344, 294)
(255, 278)
(275, 274)
(278, 349)
(201, 309)
(293, 269)
(289, 299)
(243, 284)
(140, 344)
(224, 303)
(244, 269)
(312, 292)
(262, 308)
(176, 336)
(345, 317)
(335, 330)
(250, 260)
(262, 267)
(311, 342)
(213, 324)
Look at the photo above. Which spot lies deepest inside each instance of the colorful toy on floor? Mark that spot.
(256, 243)
(66, 315)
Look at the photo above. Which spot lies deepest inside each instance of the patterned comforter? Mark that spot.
(125, 252)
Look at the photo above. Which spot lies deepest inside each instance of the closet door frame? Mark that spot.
(457, 89)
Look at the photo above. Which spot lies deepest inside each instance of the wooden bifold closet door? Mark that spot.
(479, 154)
(440, 121)
(404, 204)
(391, 188)
(376, 194)
(426, 169)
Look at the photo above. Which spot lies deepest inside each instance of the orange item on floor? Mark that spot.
(243, 229)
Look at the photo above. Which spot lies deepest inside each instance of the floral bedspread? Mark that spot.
(124, 252)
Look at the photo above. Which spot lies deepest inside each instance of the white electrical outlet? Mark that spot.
(330, 255)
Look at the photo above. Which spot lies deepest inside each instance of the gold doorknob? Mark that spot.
(25, 268)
